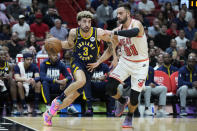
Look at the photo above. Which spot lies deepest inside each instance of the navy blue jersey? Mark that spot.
(187, 76)
(100, 71)
(29, 72)
(86, 50)
(49, 72)
(150, 77)
(5, 69)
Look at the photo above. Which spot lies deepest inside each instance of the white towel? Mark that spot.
(22, 72)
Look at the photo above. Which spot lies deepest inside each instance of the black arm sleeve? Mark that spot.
(128, 33)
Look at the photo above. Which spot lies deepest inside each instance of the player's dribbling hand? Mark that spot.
(91, 66)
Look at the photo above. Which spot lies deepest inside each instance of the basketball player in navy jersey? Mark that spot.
(50, 71)
(29, 78)
(84, 41)
(7, 84)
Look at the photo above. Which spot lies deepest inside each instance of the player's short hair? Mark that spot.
(125, 6)
(84, 14)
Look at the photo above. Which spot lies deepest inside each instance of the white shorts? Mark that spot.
(137, 70)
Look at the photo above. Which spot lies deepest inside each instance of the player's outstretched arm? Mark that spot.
(106, 36)
(137, 30)
(68, 44)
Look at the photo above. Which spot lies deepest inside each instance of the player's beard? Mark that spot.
(123, 21)
(85, 29)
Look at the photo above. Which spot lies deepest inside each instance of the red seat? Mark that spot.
(174, 81)
(163, 79)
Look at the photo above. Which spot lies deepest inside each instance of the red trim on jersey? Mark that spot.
(137, 60)
(112, 76)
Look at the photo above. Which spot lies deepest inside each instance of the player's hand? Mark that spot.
(194, 84)
(91, 66)
(6, 76)
(32, 82)
(114, 63)
(152, 85)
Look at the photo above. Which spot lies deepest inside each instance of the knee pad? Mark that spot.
(134, 97)
(111, 86)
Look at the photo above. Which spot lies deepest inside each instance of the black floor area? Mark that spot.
(7, 125)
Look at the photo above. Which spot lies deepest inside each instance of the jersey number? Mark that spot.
(85, 53)
(130, 50)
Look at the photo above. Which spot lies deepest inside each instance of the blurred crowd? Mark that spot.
(169, 25)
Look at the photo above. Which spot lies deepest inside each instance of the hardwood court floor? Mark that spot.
(107, 124)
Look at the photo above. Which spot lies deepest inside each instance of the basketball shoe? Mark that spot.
(127, 122)
(120, 107)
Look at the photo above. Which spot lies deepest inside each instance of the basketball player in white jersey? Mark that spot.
(133, 62)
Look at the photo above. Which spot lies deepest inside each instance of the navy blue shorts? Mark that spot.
(78, 65)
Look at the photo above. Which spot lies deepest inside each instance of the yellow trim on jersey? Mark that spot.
(48, 63)
(98, 47)
(42, 92)
(76, 36)
(84, 96)
(75, 69)
(88, 36)
(3, 67)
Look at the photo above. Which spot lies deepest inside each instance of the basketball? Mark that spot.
(53, 45)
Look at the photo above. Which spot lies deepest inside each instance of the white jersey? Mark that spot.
(134, 49)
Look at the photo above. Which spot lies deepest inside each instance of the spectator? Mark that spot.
(181, 23)
(67, 56)
(154, 30)
(25, 3)
(152, 58)
(151, 44)
(104, 13)
(14, 47)
(161, 18)
(32, 42)
(159, 61)
(172, 31)
(190, 30)
(188, 14)
(27, 76)
(113, 4)
(181, 58)
(167, 67)
(172, 49)
(169, 13)
(181, 40)
(94, 5)
(3, 16)
(50, 17)
(5, 34)
(163, 2)
(162, 40)
(58, 31)
(194, 42)
(39, 29)
(22, 28)
(96, 89)
(14, 10)
(7, 84)
(134, 6)
(146, 7)
(152, 88)
(42, 51)
(50, 71)
(187, 82)
(142, 19)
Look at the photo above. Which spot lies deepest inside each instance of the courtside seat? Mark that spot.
(163, 79)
